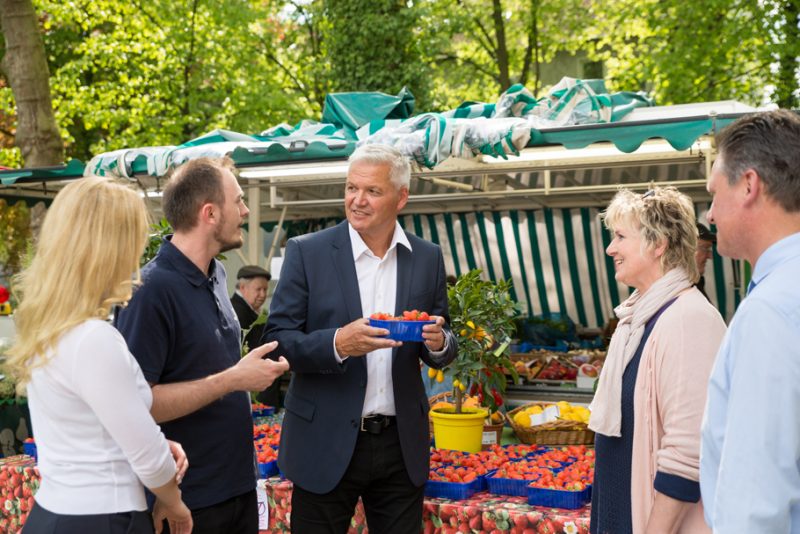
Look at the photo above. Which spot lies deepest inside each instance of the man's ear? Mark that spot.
(752, 186)
(209, 213)
(403, 198)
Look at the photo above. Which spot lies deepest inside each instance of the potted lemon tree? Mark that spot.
(482, 318)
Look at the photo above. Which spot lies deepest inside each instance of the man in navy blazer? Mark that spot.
(356, 420)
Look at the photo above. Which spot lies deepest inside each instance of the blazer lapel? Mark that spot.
(346, 273)
(404, 276)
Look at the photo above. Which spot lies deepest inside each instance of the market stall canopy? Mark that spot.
(517, 152)
(39, 184)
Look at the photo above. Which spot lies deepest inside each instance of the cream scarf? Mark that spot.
(633, 314)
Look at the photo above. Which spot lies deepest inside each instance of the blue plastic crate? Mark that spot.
(507, 486)
(484, 484)
(264, 412)
(452, 490)
(402, 330)
(553, 498)
(30, 450)
(268, 469)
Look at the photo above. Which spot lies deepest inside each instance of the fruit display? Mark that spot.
(557, 369)
(513, 470)
(19, 480)
(547, 367)
(565, 412)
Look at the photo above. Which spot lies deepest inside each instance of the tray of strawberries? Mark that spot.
(405, 327)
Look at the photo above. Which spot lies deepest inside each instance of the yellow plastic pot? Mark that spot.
(458, 431)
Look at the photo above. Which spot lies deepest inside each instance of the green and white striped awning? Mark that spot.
(555, 259)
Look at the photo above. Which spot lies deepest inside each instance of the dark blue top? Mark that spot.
(611, 490)
(180, 326)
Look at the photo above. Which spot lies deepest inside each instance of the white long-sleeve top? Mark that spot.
(96, 440)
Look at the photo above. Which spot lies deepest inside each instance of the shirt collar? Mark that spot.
(359, 247)
(777, 253)
(184, 265)
(239, 294)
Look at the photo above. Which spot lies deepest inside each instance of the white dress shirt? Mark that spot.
(377, 285)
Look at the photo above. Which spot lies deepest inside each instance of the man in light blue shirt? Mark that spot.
(750, 452)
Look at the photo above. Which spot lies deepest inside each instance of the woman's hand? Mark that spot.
(178, 516)
(181, 462)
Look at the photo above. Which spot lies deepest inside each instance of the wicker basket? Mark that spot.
(553, 433)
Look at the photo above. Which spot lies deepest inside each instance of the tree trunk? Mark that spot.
(502, 47)
(786, 86)
(25, 67)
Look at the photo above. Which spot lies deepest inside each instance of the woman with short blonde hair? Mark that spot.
(89, 402)
(650, 397)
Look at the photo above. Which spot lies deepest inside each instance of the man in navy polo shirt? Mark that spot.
(182, 329)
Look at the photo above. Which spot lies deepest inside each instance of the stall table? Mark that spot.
(484, 512)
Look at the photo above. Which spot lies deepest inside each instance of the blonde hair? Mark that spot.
(661, 215)
(86, 260)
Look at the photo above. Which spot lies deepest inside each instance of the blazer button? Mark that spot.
(353, 422)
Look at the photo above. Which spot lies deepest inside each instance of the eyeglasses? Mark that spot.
(648, 193)
(705, 248)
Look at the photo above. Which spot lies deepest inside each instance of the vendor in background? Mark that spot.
(89, 402)
(252, 283)
(705, 251)
(649, 401)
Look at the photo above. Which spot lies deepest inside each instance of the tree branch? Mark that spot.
(474, 64)
(187, 70)
(488, 44)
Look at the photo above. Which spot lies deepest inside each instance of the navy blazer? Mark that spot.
(317, 293)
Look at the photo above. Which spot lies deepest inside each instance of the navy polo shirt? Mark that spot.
(180, 326)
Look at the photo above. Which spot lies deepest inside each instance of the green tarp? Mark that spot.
(496, 129)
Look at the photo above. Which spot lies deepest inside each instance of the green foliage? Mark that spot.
(126, 74)
(384, 56)
(697, 51)
(158, 232)
(260, 320)
(482, 318)
(485, 47)
(15, 236)
(8, 387)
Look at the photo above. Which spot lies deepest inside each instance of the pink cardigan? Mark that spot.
(669, 399)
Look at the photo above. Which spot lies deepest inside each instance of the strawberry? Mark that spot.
(476, 523)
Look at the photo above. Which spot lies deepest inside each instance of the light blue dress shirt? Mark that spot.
(750, 451)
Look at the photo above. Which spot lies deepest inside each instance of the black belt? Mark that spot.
(374, 424)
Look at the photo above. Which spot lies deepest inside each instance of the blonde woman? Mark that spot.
(89, 403)
(652, 390)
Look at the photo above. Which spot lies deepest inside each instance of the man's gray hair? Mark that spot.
(399, 167)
